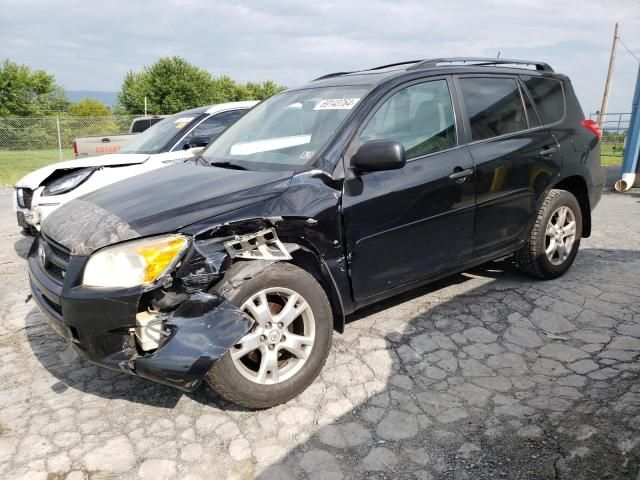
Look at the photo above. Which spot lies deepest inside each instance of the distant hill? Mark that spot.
(108, 98)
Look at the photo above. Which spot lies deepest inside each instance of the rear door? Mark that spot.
(405, 224)
(515, 158)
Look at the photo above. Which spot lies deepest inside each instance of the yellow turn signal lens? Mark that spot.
(159, 255)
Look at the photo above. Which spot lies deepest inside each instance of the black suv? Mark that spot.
(237, 266)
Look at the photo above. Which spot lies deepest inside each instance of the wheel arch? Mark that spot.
(577, 186)
(242, 270)
(312, 264)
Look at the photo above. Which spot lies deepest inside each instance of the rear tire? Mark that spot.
(554, 239)
(286, 349)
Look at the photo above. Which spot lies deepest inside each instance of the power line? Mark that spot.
(628, 49)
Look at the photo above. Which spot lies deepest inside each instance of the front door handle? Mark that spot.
(105, 140)
(460, 175)
(547, 151)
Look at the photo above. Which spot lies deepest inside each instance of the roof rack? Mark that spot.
(434, 62)
(480, 61)
(397, 64)
(337, 74)
(329, 75)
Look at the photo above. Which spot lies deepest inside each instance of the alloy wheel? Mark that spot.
(280, 342)
(560, 235)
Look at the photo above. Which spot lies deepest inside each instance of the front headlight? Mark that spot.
(130, 264)
(67, 182)
(24, 197)
(20, 197)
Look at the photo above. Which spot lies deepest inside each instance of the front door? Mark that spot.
(515, 159)
(405, 224)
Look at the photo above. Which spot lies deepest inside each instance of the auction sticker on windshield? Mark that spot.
(336, 104)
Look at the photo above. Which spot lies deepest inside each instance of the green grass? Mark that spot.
(609, 155)
(16, 164)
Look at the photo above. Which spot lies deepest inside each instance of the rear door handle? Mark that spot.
(105, 140)
(461, 174)
(547, 151)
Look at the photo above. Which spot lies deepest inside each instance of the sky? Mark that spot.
(90, 45)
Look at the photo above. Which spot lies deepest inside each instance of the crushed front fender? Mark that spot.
(202, 330)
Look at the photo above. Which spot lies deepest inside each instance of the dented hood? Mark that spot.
(35, 178)
(157, 202)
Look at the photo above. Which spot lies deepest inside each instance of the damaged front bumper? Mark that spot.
(100, 323)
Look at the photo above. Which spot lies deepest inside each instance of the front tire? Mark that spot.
(554, 239)
(288, 345)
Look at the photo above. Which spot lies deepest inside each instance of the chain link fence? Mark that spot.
(614, 135)
(28, 143)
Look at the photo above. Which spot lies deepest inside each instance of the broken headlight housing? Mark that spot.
(24, 197)
(130, 264)
(67, 182)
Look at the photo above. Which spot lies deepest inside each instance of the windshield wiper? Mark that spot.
(198, 160)
(232, 166)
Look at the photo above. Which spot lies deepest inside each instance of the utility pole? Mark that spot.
(605, 98)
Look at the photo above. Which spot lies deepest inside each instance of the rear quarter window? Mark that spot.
(548, 98)
(141, 124)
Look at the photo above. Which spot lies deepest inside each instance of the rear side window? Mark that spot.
(140, 125)
(494, 106)
(548, 97)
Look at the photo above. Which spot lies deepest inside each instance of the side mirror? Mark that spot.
(195, 142)
(379, 155)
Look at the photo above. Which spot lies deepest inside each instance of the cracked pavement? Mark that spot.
(486, 374)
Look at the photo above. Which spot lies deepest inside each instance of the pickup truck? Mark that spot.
(95, 145)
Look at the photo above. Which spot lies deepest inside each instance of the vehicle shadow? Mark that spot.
(22, 245)
(81, 375)
(441, 401)
(499, 410)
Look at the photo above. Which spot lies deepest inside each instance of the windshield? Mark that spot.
(155, 138)
(286, 130)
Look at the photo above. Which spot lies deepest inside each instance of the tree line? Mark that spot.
(170, 85)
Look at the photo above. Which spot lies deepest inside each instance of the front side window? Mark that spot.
(420, 117)
(548, 98)
(494, 106)
(213, 126)
(287, 130)
(157, 138)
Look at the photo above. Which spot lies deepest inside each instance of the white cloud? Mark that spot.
(90, 45)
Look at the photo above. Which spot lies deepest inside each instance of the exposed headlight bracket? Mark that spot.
(262, 245)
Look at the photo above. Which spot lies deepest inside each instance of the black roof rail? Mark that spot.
(481, 61)
(337, 74)
(420, 64)
(329, 75)
(397, 64)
